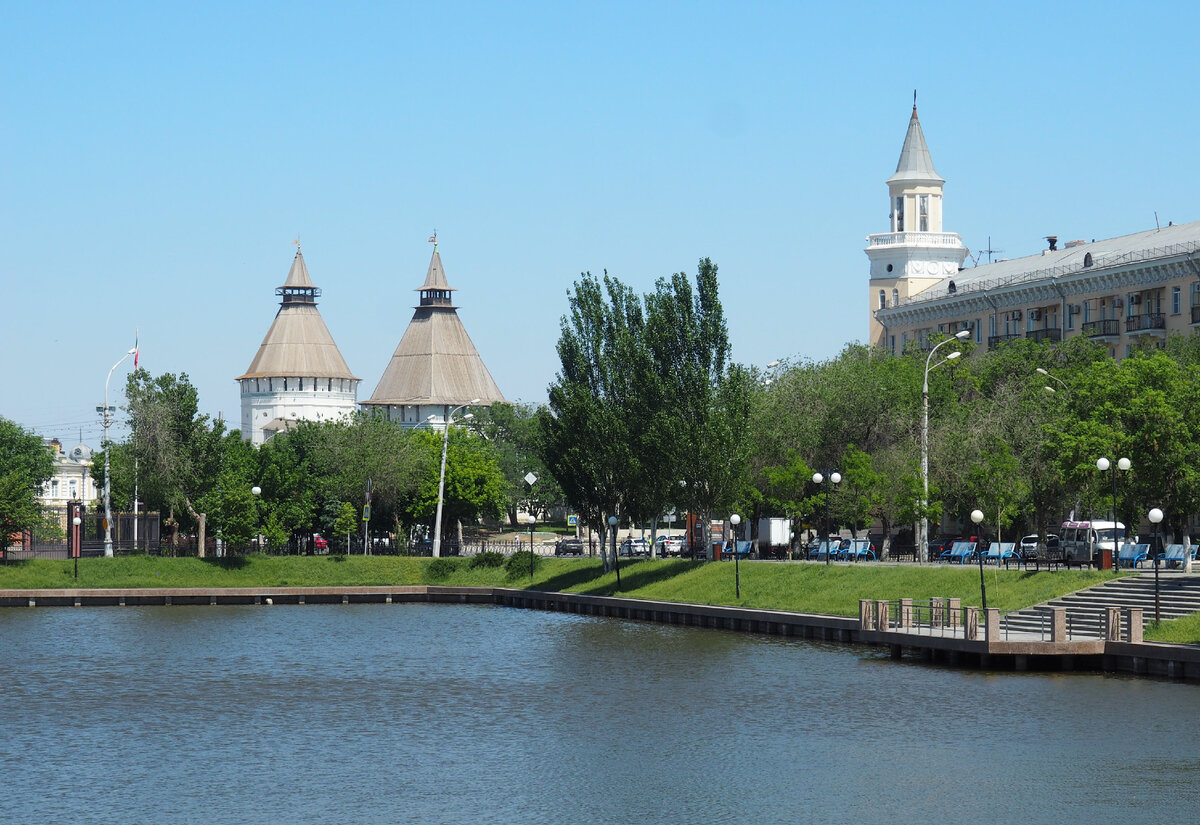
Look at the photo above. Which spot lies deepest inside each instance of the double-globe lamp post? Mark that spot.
(1156, 517)
(834, 477)
(929, 365)
(734, 521)
(1103, 465)
(437, 521)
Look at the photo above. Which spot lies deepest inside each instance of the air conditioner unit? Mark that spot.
(1118, 303)
(1016, 315)
(1035, 314)
(1135, 298)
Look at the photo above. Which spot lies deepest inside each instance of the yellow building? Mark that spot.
(1126, 292)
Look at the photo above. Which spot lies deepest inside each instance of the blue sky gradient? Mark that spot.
(156, 161)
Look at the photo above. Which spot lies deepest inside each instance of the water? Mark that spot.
(435, 714)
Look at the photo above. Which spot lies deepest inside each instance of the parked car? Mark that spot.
(1029, 545)
(634, 546)
(665, 546)
(942, 544)
(569, 547)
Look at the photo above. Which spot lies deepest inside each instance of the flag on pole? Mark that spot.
(135, 349)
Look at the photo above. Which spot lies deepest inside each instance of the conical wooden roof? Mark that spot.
(436, 362)
(298, 342)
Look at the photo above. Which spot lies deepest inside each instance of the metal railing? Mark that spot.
(998, 340)
(1108, 328)
(1147, 322)
(1054, 335)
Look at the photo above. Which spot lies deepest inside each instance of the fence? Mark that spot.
(947, 617)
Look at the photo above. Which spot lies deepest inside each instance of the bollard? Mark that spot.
(1133, 615)
(1058, 624)
(881, 616)
(936, 609)
(865, 618)
(906, 613)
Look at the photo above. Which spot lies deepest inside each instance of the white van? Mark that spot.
(1088, 539)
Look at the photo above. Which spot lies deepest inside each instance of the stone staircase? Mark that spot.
(1179, 595)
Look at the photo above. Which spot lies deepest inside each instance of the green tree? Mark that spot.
(347, 522)
(25, 466)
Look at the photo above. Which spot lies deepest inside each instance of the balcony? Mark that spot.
(995, 341)
(1108, 328)
(1052, 335)
(1148, 324)
(950, 239)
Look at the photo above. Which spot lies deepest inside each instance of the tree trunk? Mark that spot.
(201, 519)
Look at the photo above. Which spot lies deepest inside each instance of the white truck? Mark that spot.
(774, 538)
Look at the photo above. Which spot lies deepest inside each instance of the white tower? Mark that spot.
(916, 253)
(298, 373)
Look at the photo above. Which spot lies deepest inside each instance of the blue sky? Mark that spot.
(156, 161)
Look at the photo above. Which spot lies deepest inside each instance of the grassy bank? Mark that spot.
(813, 588)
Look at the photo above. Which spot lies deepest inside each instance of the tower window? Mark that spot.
(895, 297)
(882, 299)
(923, 212)
(900, 214)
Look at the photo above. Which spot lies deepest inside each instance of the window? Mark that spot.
(923, 212)
(978, 331)
(1176, 300)
(899, 217)
(1130, 307)
(285, 385)
(895, 297)
(893, 344)
(1196, 294)
(882, 299)
(1087, 311)
(1070, 317)
(73, 486)
(54, 488)
(903, 340)
(992, 326)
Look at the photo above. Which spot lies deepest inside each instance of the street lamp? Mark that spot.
(734, 521)
(76, 541)
(836, 478)
(1050, 389)
(977, 517)
(612, 529)
(1123, 464)
(437, 522)
(923, 542)
(107, 412)
(1156, 517)
(256, 491)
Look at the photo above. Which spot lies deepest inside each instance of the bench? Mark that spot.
(1051, 563)
(1132, 555)
(1177, 554)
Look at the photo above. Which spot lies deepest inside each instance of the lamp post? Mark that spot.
(532, 524)
(107, 413)
(977, 517)
(1156, 517)
(437, 521)
(836, 478)
(1122, 464)
(612, 529)
(1048, 388)
(958, 336)
(256, 491)
(734, 521)
(76, 539)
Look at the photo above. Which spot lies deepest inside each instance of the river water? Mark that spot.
(437, 714)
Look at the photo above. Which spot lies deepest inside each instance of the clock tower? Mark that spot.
(916, 253)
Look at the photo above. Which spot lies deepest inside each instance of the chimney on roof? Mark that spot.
(1053, 241)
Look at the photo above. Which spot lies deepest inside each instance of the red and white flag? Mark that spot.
(136, 351)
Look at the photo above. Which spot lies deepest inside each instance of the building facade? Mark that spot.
(72, 479)
(435, 367)
(298, 372)
(1126, 293)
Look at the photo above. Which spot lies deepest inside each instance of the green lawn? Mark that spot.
(812, 588)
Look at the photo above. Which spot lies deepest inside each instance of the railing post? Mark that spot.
(1112, 624)
(954, 607)
(936, 609)
(906, 613)
(992, 620)
(1058, 624)
(864, 615)
(1133, 615)
(881, 615)
(970, 623)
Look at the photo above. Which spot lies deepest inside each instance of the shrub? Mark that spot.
(486, 559)
(518, 564)
(442, 568)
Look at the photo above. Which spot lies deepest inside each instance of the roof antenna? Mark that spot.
(914, 101)
(1156, 226)
(989, 250)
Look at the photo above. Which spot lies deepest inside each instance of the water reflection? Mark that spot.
(370, 713)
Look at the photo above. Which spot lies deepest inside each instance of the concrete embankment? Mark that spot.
(1140, 658)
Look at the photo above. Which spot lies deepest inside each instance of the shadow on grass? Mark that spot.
(228, 562)
(576, 576)
(637, 574)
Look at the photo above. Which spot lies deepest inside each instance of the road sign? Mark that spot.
(367, 512)
(572, 521)
(530, 478)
